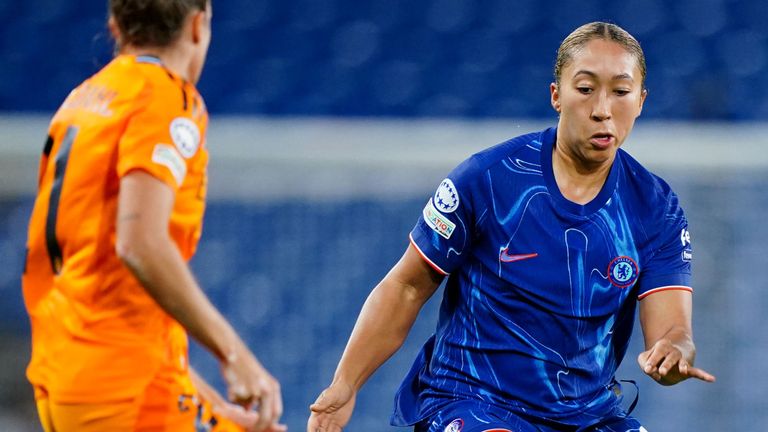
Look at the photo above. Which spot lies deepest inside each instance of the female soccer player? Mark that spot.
(118, 214)
(548, 242)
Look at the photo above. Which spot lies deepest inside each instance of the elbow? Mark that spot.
(132, 250)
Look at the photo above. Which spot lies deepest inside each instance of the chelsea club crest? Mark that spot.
(622, 271)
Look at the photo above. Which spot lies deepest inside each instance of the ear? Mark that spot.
(643, 95)
(554, 96)
(114, 30)
(198, 20)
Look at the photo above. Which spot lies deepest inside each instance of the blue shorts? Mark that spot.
(471, 416)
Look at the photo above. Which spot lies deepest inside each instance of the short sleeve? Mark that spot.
(446, 227)
(159, 139)
(669, 266)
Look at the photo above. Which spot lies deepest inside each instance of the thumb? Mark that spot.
(322, 403)
(643, 358)
(244, 418)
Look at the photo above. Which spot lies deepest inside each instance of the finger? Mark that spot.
(266, 410)
(672, 359)
(278, 406)
(239, 394)
(246, 419)
(320, 404)
(642, 358)
(655, 358)
(240, 416)
(277, 427)
(313, 424)
(318, 423)
(240, 399)
(273, 404)
(701, 374)
(644, 361)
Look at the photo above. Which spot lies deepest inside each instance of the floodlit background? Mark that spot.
(332, 121)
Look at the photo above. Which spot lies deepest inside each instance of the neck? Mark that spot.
(172, 58)
(578, 181)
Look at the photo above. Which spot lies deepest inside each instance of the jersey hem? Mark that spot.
(425, 258)
(665, 288)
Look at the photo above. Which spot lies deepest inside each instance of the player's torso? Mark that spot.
(544, 306)
(77, 199)
(73, 275)
(576, 267)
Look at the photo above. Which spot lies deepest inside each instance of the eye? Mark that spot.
(622, 92)
(584, 90)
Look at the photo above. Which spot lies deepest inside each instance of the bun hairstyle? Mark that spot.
(155, 23)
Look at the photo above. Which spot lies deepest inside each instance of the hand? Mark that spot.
(246, 419)
(250, 386)
(332, 409)
(665, 363)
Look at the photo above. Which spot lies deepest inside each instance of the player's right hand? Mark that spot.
(332, 409)
(665, 363)
(251, 386)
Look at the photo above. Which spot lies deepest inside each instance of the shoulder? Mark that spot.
(651, 197)
(520, 150)
(147, 84)
(643, 180)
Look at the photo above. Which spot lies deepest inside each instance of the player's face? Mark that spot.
(599, 97)
(203, 40)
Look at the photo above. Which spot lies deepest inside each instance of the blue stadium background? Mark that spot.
(292, 272)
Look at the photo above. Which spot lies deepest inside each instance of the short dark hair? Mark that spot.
(598, 30)
(151, 22)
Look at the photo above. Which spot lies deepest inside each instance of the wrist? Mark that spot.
(228, 349)
(346, 382)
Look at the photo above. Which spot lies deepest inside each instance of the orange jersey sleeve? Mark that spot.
(162, 138)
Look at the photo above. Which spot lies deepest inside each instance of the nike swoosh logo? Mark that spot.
(505, 256)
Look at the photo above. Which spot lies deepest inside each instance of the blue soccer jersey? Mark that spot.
(540, 300)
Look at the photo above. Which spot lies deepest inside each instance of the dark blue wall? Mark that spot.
(707, 59)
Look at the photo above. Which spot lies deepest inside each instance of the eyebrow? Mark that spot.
(621, 76)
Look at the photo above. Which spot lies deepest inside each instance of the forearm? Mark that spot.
(670, 352)
(384, 322)
(166, 277)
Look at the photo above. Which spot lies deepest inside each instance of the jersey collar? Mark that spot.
(548, 138)
(149, 59)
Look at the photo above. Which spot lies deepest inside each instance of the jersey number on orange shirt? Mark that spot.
(62, 157)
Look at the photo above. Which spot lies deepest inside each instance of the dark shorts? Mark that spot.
(470, 416)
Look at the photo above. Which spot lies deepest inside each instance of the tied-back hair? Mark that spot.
(155, 23)
(598, 30)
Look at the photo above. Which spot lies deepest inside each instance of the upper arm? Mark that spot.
(143, 211)
(415, 276)
(160, 143)
(669, 264)
(663, 311)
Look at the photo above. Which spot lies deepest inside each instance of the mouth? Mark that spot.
(602, 140)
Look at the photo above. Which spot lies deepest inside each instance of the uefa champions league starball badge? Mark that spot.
(446, 197)
(454, 426)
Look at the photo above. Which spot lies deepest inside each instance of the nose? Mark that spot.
(601, 110)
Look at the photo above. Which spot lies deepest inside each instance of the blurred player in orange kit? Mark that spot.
(118, 214)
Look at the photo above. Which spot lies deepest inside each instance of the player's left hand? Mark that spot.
(665, 363)
(246, 419)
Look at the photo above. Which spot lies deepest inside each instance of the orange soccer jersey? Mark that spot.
(97, 336)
